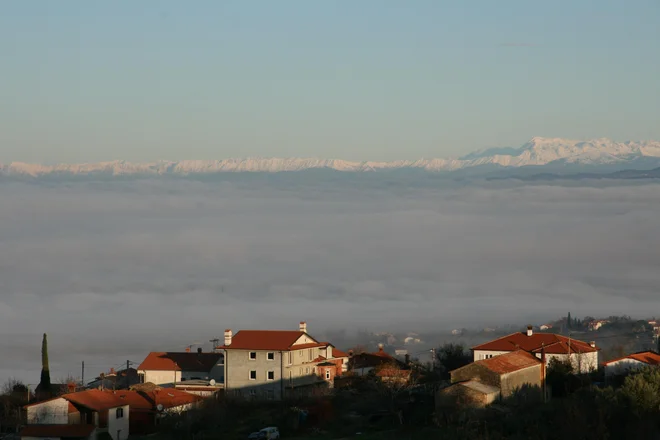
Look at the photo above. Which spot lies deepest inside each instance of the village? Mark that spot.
(293, 369)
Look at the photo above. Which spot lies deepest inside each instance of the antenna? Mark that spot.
(190, 346)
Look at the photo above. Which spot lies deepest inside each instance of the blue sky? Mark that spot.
(370, 79)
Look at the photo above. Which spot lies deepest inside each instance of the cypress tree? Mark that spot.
(568, 321)
(44, 385)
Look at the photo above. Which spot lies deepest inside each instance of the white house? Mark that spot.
(266, 364)
(83, 415)
(583, 356)
(162, 368)
(631, 363)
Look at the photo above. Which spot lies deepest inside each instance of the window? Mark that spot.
(253, 374)
(327, 373)
(307, 370)
(271, 356)
(290, 378)
(301, 371)
(253, 355)
(290, 358)
(309, 354)
(119, 413)
(271, 375)
(301, 353)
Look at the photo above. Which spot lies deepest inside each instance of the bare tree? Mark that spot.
(392, 383)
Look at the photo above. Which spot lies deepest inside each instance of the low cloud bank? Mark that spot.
(113, 270)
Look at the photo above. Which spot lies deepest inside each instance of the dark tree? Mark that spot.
(44, 387)
(450, 357)
(569, 323)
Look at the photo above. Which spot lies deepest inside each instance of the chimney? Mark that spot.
(380, 347)
(187, 349)
(228, 336)
(529, 330)
(303, 326)
(592, 344)
(199, 350)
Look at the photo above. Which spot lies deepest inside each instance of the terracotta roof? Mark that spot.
(509, 362)
(70, 431)
(647, 357)
(336, 353)
(170, 361)
(277, 340)
(535, 342)
(149, 400)
(95, 400)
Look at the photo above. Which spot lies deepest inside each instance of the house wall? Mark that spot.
(237, 373)
(510, 382)
(159, 377)
(118, 428)
(623, 366)
(52, 412)
(293, 368)
(217, 373)
(479, 355)
(459, 395)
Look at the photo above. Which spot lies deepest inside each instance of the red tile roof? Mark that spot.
(70, 431)
(276, 340)
(149, 400)
(169, 361)
(95, 400)
(510, 362)
(647, 357)
(535, 342)
(336, 353)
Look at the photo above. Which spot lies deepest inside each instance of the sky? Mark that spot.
(376, 79)
(114, 270)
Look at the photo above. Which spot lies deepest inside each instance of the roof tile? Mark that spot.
(510, 362)
(535, 342)
(172, 361)
(277, 340)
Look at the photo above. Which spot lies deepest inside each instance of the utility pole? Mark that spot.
(433, 359)
(128, 365)
(82, 376)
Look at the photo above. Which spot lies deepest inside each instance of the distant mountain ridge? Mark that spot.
(538, 152)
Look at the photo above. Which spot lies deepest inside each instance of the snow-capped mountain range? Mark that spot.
(537, 152)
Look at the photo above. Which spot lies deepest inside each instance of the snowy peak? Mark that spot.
(538, 151)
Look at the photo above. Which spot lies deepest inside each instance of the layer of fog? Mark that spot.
(112, 271)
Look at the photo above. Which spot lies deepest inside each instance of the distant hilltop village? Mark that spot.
(295, 366)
